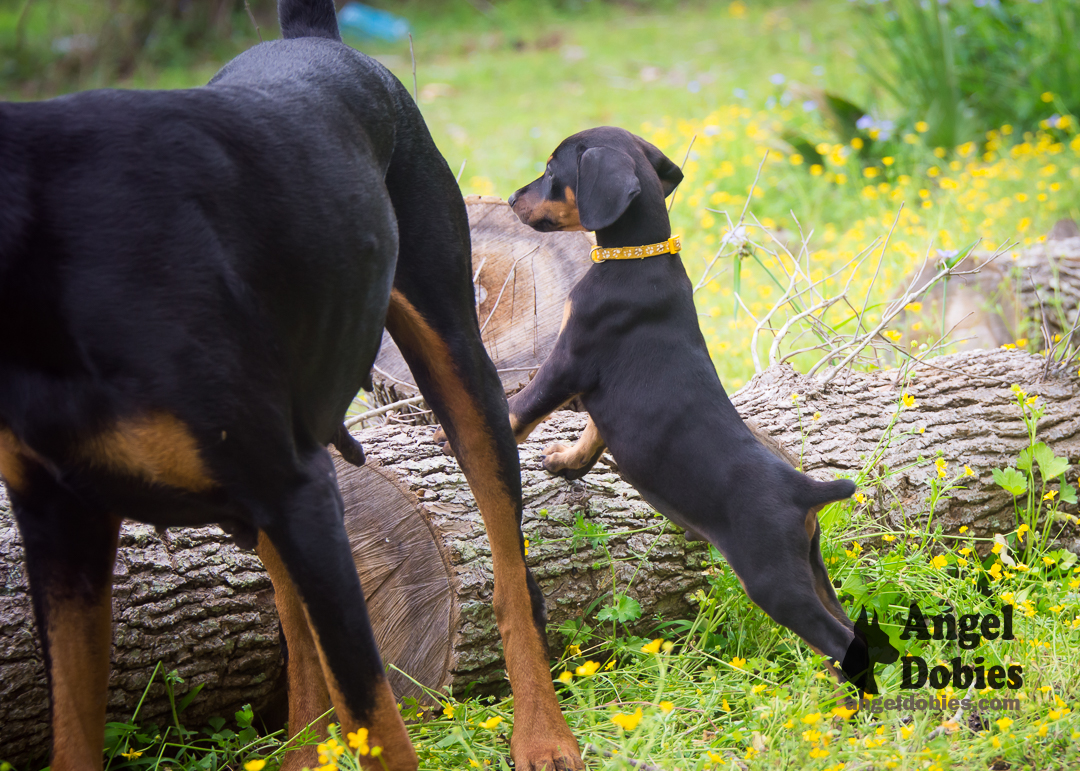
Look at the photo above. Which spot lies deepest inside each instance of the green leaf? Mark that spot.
(1050, 465)
(1068, 493)
(1012, 480)
(624, 608)
(1024, 461)
(190, 697)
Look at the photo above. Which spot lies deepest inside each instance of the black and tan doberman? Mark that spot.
(194, 285)
(631, 349)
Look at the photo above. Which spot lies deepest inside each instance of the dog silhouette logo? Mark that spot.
(870, 647)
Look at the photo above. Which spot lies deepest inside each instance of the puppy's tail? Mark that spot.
(308, 18)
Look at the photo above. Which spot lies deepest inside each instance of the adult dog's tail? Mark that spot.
(308, 18)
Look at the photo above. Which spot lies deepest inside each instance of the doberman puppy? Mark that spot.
(194, 287)
(632, 351)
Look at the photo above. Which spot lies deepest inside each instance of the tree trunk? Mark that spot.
(194, 601)
(970, 416)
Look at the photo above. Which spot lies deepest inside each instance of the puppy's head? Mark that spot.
(592, 178)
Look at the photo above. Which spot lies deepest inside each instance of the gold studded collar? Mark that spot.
(671, 246)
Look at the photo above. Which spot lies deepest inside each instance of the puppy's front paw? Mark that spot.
(440, 438)
(561, 461)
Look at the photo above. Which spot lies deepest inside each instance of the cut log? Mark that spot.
(522, 278)
(194, 601)
(965, 413)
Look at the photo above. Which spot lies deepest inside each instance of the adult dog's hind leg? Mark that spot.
(310, 561)
(432, 318)
(70, 550)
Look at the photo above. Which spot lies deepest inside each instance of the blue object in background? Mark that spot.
(364, 21)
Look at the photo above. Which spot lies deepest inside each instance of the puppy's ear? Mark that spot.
(670, 174)
(606, 185)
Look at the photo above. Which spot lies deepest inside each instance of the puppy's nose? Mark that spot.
(513, 197)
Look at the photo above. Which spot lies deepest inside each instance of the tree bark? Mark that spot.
(969, 416)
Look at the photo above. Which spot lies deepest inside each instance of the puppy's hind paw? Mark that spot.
(440, 438)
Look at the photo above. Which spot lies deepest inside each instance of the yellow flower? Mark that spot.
(939, 561)
(491, 722)
(738, 663)
(714, 757)
(448, 710)
(796, 159)
(1020, 533)
(940, 465)
(653, 647)
(968, 473)
(358, 740)
(526, 547)
(857, 143)
(573, 650)
(888, 160)
(997, 548)
(906, 732)
(843, 712)
(796, 397)
(913, 307)
(922, 127)
(667, 706)
(892, 334)
(860, 498)
(627, 722)
(252, 765)
(889, 538)
(132, 754)
(818, 752)
(812, 718)
(817, 416)
(1004, 723)
(587, 669)
(908, 401)
(758, 688)
(1050, 494)
(1047, 96)
(725, 706)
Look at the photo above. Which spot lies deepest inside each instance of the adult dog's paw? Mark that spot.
(548, 754)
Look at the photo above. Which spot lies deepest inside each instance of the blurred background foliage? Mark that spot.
(963, 112)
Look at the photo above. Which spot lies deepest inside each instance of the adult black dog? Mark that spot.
(194, 284)
(632, 350)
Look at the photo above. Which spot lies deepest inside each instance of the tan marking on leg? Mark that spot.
(308, 695)
(312, 686)
(12, 460)
(80, 640)
(558, 457)
(540, 732)
(811, 523)
(156, 448)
